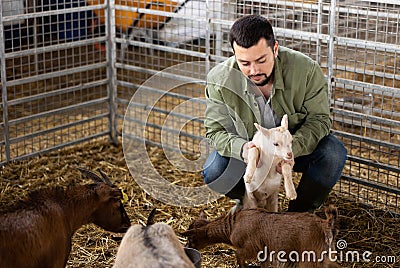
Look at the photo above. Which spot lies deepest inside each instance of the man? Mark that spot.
(261, 83)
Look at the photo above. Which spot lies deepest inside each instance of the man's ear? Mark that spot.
(276, 46)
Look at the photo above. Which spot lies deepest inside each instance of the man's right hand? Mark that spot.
(245, 151)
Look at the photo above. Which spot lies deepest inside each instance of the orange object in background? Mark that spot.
(125, 19)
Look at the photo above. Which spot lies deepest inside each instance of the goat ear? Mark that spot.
(285, 122)
(105, 193)
(263, 130)
(188, 233)
(202, 215)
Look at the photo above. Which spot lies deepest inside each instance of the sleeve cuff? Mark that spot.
(237, 146)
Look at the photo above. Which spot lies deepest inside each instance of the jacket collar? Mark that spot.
(278, 78)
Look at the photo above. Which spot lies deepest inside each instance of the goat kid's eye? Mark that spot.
(276, 144)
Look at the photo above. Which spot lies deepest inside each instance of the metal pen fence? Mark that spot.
(69, 69)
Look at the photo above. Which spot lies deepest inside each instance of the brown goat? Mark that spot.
(37, 232)
(256, 233)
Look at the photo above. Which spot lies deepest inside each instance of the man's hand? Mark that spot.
(279, 166)
(245, 152)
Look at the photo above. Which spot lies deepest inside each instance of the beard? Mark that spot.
(264, 81)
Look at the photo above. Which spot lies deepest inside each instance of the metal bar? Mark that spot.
(56, 92)
(369, 87)
(161, 48)
(332, 29)
(357, 123)
(161, 92)
(366, 140)
(359, 107)
(51, 12)
(111, 70)
(54, 129)
(368, 12)
(164, 128)
(309, 36)
(52, 48)
(160, 13)
(166, 74)
(208, 34)
(3, 84)
(371, 118)
(56, 147)
(64, 72)
(372, 184)
(153, 143)
(59, 110)
(36, 37)
(163, 111)
(367, 44)
(368, 72)
(391, 2)
(319, 29)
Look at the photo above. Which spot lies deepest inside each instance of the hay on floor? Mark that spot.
(363, 228)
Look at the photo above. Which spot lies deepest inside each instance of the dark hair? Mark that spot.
(248, 30)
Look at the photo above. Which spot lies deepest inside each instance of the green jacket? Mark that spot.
(300, 90)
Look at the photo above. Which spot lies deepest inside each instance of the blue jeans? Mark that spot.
(322, 167)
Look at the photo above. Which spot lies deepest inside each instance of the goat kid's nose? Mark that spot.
(289, 155)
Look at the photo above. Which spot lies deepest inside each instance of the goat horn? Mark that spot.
(90, 174)
(105, 178)
(94, 176)
(150, 219)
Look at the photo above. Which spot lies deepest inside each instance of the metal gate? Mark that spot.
(69, 69)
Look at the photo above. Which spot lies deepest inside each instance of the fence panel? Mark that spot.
(365, 99)
(355, 42)
(53, 80)
(69, 69)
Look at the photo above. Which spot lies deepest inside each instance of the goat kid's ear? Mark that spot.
(188, 233)
(285, 122)
(263, 130)
(202, 215)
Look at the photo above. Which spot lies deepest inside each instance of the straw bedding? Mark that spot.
(363, 228)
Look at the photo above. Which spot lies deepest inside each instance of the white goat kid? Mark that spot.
(273, 146)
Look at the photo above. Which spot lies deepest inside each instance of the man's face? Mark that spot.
(256, 62)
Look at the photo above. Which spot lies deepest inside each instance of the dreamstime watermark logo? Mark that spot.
(159, 111)
(340, 254)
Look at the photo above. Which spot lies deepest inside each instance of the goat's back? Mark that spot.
(255, 230)
(155, 245)
(37, 231)
(23, 234)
